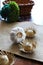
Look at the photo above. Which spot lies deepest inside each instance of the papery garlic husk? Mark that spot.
(27, 46)
(17, 34)
(30, 32)
(4, 60)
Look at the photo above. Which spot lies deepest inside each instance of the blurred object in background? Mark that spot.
(37, 12)
(10, 12)
(25, 6)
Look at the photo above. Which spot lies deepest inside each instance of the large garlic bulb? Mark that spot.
(4, 60)
(17, 34)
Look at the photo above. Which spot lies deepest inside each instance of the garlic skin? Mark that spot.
(27, 46)
(17, 34)
(4, 60)
(30, 32)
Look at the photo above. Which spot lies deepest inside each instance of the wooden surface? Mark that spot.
(21, 61)
(7, 45)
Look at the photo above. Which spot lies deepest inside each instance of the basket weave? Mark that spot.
(25, 6)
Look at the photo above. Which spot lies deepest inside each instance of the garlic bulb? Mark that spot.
(30, 32)
(17, 34)
(27, 46)
(4, 60)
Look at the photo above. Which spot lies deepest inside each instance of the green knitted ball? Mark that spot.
(10, 12)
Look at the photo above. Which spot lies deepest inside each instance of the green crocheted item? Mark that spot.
(10, 11)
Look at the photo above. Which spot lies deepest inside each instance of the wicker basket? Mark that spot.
(25, 6)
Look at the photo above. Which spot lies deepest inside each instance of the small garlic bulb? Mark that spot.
(4, 60)
(27, 46)
(17, 34)
(30, 32)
